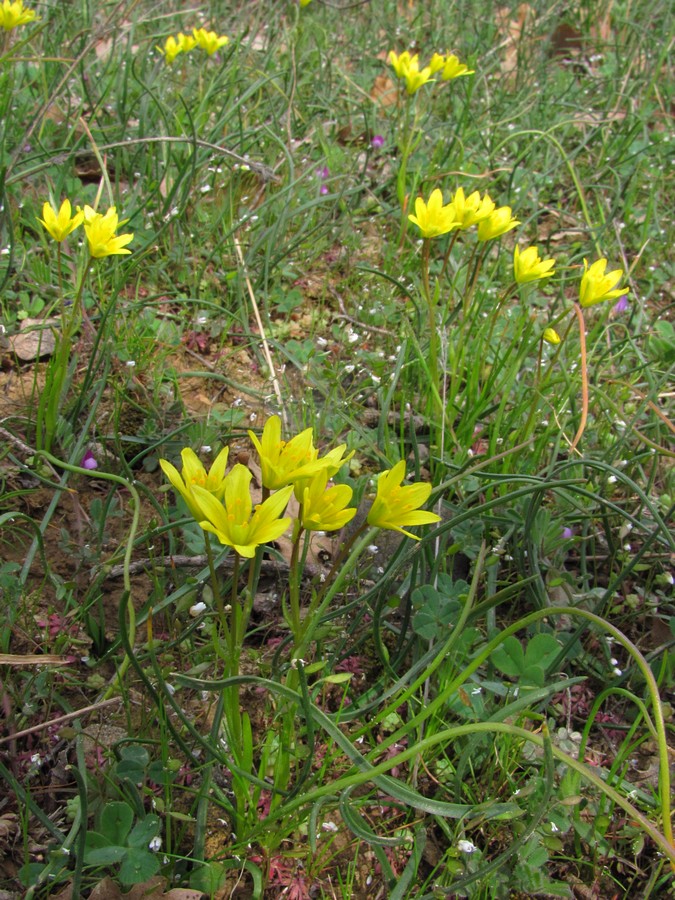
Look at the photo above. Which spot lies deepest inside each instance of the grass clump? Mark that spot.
(337, 347)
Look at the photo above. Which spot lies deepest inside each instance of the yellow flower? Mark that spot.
(432, 218)
(233, 524)
(551, 336)
(283, 462)
(396, 504)
(194, 474)
(60, 224)
(100, 231)
(453, 68)
(323, 509)
(13, 14)
(527, 266)
(186, 42)
(209, 40)
(497, 223)
(436, 63)
(171, 49)
(596, 287)
(401, 63)
(331, 463)
(173, 46)
(416, 77)
(408, 68)
(471, 210)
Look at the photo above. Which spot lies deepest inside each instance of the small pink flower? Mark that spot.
(323, 190)
(323, 172)
(377, 141)
(89, 461)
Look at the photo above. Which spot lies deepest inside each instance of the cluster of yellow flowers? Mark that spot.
(100, 229)
(434, 219)
(13, 14)
(407, 68)
(221, 502)
(209, 41)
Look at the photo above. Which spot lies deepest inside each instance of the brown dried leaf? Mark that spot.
(512, 32)
(384, 91)
(33, 659)
(149, 890)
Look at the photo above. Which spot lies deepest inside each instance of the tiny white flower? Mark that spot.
(329, 826)
(554, 827)
(197, 609)
(617, 672)
(155, 845)
(205, 448)
(130, 363)
(611, 479)
(466, 847)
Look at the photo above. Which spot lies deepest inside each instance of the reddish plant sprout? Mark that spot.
(57, 624)
(264, 804)
(351, 664)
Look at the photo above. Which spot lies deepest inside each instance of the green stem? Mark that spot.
(319, 603)
(431, 322)
(294, 577)
(451, 244)
(131, 612)
(215, 587)
(234, 640)
(406, 148)
(470, 286)
(583, 366)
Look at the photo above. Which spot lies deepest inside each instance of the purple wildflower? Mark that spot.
(621, 305)
(323, 173)
(377, 141)
(567, 533)
(89, 461)
(323, 189)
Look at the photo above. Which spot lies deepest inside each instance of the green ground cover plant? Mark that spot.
(337, 486)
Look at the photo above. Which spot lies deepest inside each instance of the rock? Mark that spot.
(34, 340)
